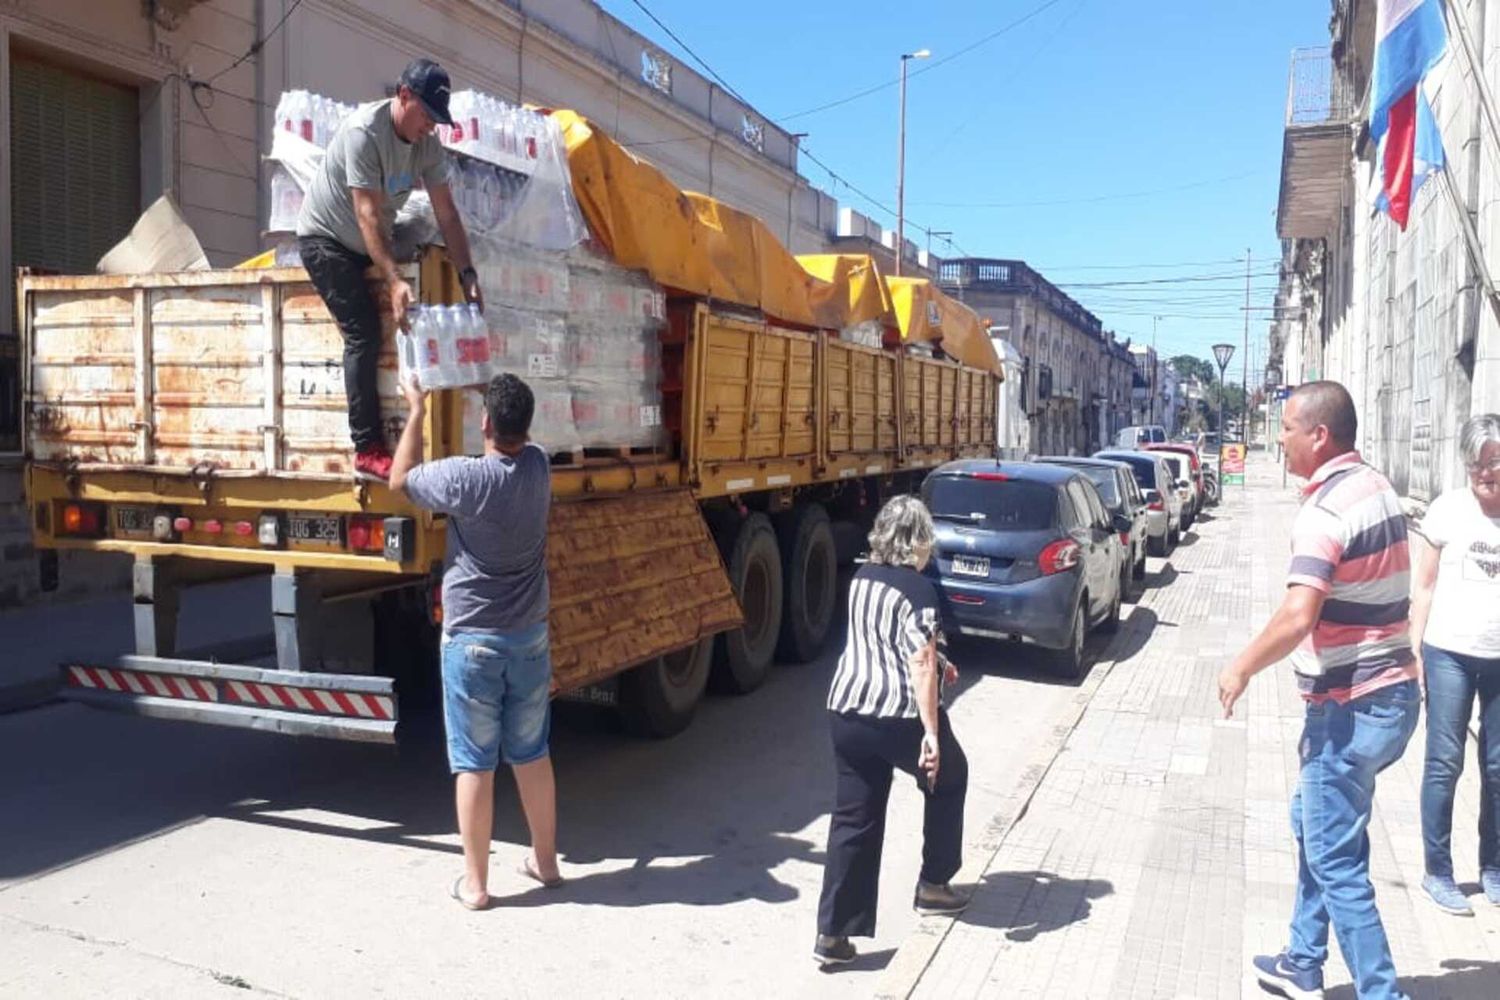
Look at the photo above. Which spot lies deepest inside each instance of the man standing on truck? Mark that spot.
(373, 161)
(496, 661)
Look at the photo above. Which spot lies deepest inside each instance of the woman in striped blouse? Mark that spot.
(885, 712)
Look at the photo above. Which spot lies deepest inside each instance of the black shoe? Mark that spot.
(938, 900)
(833, 950)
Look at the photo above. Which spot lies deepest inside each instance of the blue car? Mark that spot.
(1025, 551)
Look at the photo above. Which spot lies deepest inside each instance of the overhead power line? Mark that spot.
(840, 102)
(1158, 281)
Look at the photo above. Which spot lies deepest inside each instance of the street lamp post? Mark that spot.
(1222, 354)
(901, 162)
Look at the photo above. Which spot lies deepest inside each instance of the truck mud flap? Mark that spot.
(355, 707)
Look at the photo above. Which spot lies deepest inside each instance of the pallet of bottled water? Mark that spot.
(491, 130)
(310, 116)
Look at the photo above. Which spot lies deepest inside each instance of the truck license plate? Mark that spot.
(971, 565)
(314, 530)
(134, 521)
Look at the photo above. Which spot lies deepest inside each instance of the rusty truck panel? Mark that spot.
(85, 377)
(632, 578)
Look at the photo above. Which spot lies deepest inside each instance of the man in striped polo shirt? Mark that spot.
(1343, 621)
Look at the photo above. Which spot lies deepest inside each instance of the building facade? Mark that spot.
(1076, 383)
(1402, 319)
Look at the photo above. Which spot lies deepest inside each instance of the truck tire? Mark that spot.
(659, 698)
(746, 653)
(809, 574)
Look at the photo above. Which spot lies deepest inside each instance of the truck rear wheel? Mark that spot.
(659, 698)
(755, 574)
(810, 579)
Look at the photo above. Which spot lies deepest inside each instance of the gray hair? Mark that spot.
(1477, 432)
(901, 528)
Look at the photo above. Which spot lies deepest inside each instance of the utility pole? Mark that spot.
(1155, 366)
(901, 163)
(1245, 357)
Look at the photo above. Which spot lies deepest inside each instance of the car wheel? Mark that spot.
(1157, 546)
(1071, 662)
(1139, 569)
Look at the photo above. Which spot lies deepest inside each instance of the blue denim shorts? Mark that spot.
(496, 697)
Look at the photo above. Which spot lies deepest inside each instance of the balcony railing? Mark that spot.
(1315, 93)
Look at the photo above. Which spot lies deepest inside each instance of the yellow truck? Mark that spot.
(196, 422)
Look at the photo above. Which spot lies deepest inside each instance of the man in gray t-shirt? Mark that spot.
(379, 153)
(497, 666)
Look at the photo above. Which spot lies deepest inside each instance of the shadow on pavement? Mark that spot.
(1188, 538)
(872, 961)
(1163, 577)
(1470, 979)
(1027, 905)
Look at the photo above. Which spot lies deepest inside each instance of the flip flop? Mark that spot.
(457, 892)
(525, 868)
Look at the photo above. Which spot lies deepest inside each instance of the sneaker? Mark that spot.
(1489, 880)
(938, 900)
(1443, 891)
(1276, 974)
(830, 950)
(373, 462)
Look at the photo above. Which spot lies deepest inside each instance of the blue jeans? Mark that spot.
(496, 697)
(1452, 682)
(1343, 748)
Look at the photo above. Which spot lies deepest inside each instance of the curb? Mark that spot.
(921, 945)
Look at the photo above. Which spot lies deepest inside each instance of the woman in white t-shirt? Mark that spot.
(1455, 626)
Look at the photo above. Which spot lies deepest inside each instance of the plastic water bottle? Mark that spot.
(428, 345)
(478, 333)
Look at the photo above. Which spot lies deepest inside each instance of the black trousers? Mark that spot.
(338, 274)
(866, 752)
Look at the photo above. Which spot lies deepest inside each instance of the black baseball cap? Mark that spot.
(429, 82)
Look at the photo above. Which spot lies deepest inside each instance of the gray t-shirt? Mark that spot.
(495, 579)
(366, 153)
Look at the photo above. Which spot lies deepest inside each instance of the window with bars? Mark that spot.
(75, 165)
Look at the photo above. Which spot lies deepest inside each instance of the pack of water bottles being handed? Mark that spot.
(446, 347)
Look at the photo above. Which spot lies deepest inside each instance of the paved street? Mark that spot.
(1125, 841)
(145, 857)
(1156, 854)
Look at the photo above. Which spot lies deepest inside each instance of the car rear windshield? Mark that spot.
(1105, 481)
(1144, 468)
(1007, 505)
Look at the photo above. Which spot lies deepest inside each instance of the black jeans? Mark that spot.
(866, 751)
(338, 274)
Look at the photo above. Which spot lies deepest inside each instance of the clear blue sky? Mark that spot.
(1109, 133)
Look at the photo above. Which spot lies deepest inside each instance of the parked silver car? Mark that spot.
(1163, 504)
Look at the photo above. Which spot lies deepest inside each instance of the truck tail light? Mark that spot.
(1059, 556)
(182, 525)
(365, 534)
(213, 526)
(82, 520)
(244, 529)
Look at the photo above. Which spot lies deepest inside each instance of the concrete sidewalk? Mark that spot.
(1154, 854)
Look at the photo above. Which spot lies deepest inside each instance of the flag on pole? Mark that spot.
(1410, 38)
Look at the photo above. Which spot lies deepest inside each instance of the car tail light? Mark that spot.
(992, 477)
(1059, 556)
(1155, 505)
(365, 534)
(1124, 538)
(82, 520)
(966, 599)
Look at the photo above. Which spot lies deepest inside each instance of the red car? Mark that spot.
(1194, 464)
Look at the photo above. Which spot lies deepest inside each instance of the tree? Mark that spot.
(1190, 367)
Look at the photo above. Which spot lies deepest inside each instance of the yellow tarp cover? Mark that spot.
(688, 241)
(699, 245)
(924, 313)
(859, 275)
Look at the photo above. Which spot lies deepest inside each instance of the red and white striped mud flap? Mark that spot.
(340, 706)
